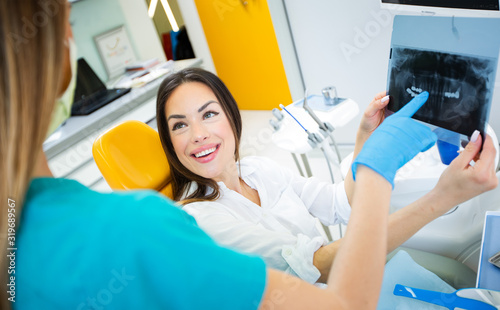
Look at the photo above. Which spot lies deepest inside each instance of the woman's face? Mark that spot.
(200, 131)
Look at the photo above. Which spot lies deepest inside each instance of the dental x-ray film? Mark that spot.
(454, 59)
(459, 86)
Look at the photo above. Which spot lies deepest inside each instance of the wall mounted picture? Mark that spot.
(116, 51)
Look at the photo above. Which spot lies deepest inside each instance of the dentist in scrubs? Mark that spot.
(79, 249)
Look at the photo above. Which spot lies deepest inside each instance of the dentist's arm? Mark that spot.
(458, 183)
(372, 117)
(354, 281)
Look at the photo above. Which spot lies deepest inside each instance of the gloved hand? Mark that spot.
(396, 141)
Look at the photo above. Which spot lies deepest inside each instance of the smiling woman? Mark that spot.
(253, 204)
(194, 107)
(263, 208)
(200, 132)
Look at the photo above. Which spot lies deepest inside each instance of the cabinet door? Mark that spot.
(245, 51)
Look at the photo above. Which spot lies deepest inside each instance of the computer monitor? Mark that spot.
(88, 82)
(454, 59)
(471, 8)
(90, 92)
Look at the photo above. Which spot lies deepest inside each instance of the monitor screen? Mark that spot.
(459, 4)
(459, 86)
(462, 8)
(87, 81)
(454, 59)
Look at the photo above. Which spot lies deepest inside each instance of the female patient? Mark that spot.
(253, 204)
(80, 249)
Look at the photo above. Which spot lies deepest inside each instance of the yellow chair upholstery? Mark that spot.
(130, 156)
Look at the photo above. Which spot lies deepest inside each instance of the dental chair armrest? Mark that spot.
(456, 274)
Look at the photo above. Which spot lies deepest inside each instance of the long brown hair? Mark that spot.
(31, 55)
(181, 176)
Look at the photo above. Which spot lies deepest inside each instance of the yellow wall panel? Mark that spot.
(245, 52)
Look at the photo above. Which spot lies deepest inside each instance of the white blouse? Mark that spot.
(283, 229)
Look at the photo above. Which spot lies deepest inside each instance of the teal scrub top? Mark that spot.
(80, 249)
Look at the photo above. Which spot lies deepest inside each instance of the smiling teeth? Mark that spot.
(205, 152)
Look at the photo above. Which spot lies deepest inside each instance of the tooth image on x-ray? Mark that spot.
(460, 87)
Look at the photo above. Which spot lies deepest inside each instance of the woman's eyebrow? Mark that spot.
(175, 116)
(203, 107)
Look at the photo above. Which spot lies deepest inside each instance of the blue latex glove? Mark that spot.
(396, 141)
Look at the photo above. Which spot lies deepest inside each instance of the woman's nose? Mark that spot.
(199, 133)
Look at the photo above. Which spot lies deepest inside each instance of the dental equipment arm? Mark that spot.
(325, 128)
(315, 139)
(312, 138)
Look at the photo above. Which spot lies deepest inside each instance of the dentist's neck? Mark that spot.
(42, 166)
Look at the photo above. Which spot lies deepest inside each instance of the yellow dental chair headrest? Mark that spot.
(130, 156)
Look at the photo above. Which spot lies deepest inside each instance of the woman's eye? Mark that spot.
(210, 114)
(178, 126)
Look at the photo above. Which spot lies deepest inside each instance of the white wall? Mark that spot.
(90, 18)
(340, 43)
(346, 44)
(142, 30)
(334, 49)
(287, 49)
(93, 17)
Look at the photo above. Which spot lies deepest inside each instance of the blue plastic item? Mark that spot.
(402, 269)
(447, 151)
(448, 144)
(450, 301)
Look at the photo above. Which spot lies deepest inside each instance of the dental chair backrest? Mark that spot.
(130, 156)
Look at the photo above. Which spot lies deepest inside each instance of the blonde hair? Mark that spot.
(31, 53)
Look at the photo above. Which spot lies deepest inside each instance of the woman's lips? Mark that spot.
(206, 155)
